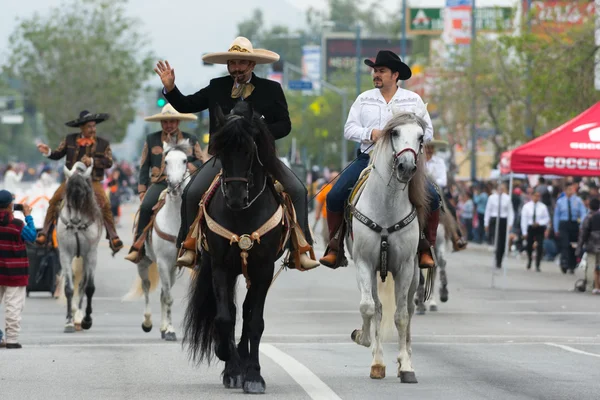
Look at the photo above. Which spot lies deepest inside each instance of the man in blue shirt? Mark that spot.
(568, 214)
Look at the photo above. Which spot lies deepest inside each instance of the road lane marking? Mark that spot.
(450, 313)
(312, 385)
(572, 350)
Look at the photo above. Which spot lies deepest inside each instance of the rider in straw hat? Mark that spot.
(267, 99)
(152, 179)
(438, 173)
(86, 147)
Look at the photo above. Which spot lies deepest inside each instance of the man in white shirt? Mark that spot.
(438, 173)
(499, 205)
(534, 221)
(369, 114)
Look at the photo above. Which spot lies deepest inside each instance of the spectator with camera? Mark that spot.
(14, 265)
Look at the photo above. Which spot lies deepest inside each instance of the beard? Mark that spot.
(378, 83)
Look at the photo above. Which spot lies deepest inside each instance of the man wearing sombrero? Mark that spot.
(152, 179)
(438, 173)
(86, 147)
(267, 99)
(369, 114)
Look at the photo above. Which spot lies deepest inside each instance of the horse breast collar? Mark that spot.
(245, 242)
(74, 226)
(385, 232)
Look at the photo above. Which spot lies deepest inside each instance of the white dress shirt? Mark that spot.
(506, 209)
(371, 111)
(542, 216)
(436, 169)
(11, 180)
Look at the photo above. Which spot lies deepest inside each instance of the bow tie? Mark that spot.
(84, 142)
(242, 90)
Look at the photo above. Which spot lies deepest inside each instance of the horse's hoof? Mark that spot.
(421, 309)
(443, 294)
(86, 323)
(407, 377)
(170, 337)
(78, 327)
(69, 328)
(232, 382)
(354, 335)
(146, 328)
(433, 307)
(377, 371)
(163, 334)
(255, 387)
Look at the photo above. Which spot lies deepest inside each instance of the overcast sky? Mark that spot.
(181, 30)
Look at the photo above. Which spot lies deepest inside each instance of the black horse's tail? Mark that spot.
(199, 332)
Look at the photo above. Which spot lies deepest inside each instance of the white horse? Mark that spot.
(395, 192)
(161, 243)
(78, 231)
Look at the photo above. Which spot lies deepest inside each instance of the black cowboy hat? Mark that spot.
(387, 58)
(85, 116)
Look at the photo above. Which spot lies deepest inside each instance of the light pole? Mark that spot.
(358, 57)
(403, 41)
(528, 130)
(473, 97)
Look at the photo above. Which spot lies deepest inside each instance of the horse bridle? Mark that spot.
(186, 175)
(397, 154)
(248, 180)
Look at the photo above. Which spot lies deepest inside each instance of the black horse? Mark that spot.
(245, 201)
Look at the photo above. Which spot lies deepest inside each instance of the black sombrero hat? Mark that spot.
(387, 58)
(85, 116)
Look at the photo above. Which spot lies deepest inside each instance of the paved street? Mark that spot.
(531, 337)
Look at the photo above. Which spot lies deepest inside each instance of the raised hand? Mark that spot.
(43, 148)
(166, 73)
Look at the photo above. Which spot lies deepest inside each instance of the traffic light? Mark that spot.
(160, 100)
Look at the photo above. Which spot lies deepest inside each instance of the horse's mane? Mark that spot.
(80, 196)
(240, 130)
(417, 187)
(183, 146)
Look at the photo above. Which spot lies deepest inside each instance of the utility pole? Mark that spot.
(473, 97)
(403, 41)
(358, 57)
(528, 122)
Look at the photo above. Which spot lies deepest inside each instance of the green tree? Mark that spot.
(86, 54)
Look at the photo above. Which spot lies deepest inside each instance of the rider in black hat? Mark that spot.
(368, 116)
(86, 147)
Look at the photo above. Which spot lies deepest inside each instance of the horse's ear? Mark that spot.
(166, 147)
(220, 117)
(88, 171)
(67, 172)
(184, 142)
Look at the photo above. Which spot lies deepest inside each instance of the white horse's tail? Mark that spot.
(137, 290)
(77, 268)
(387, 296)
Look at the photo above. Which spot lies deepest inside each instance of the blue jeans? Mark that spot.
(339, 193)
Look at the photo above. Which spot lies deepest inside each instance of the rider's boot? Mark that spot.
(188, 258)
(334, 224)
(430, 233)
(458, 242)
(109, 223)
(42, 237)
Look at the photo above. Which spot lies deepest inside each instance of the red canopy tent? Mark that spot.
(571, 149)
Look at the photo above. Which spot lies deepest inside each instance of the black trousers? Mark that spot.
(150, 199)
(568, 233)
(535, 234)
(206, 174)
(500, 240)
